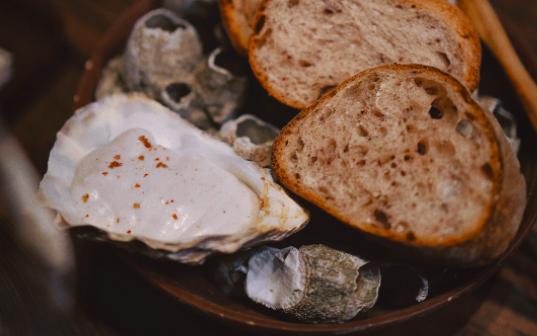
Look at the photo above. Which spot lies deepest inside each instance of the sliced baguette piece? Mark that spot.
(301, 49)
(238, 17)
(403, 152)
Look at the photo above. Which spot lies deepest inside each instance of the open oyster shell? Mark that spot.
(251, 137)
(314, 283)
(133, 169)
(162, 48)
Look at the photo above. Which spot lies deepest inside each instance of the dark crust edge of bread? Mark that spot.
(447, 12)
(233, 30)
(488, 240)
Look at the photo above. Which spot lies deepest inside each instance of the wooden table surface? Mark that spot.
(52, 39)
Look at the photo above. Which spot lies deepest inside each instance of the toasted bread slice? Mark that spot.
(403, 152)
(301, 49)
(238, 17)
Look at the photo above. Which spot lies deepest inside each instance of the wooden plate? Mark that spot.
(195, 286)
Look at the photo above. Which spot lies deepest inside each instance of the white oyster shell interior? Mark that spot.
(130, 167)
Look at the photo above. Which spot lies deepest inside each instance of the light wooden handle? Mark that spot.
(491, 31)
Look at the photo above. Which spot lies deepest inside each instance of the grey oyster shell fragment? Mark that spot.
(505, 118)
(251, 138)
(221, 90)
(162, 48)
(314, 283)
(208, 97)
(111, 81)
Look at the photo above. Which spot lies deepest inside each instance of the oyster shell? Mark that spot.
(505, 118)
(111, 81)
(314, 283)
(162, 48)
(251, 137)
(135, 170)
(210, 95)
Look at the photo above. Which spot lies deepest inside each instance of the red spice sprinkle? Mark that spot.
(104, 173)
(85, 198)
(146, 142)
(117, 157)
(117, 220)
(167, 158)
(157, 159)
(137, 185)
(129, 231)
(146, 174)
(174, 216)
(136, 205)
(141, 158)
(161, 165)
(171, 201)
(115, 164)
(87, 216)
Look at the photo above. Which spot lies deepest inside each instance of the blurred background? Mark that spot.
(50, 42)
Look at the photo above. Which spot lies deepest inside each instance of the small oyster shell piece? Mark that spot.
(505, 118)
(251, 137)
(162, 48)
(221, 90)
(111, 81)
(135, 170)
(314, 283)
(182, 98)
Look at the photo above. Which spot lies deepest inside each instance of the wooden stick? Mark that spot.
(491, 31)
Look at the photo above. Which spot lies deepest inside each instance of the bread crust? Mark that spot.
(236, 25)
(498, 225)
(446, 13)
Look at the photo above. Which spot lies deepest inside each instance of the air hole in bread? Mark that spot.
(431, 87)
(325, 89)
(292, 3)
(330, 8)
(294, 157)
(297, 176)
(362, 131)
(346, 148)
(422, 147)
(304, 63)
(487, 170)
(410, 236)
(300, 145)
(435, 113)
(259, 24)
(444, 58)
(377, 113)
(313, 159)
(163, 22)
(382, 218)
(176, 91)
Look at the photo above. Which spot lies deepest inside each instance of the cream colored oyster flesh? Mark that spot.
(132, 168)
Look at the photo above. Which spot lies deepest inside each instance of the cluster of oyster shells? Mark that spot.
(164, 60)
